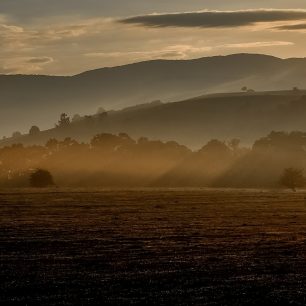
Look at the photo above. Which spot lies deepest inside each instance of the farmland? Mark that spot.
(152, 246)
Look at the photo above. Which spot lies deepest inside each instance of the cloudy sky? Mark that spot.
(64, 37)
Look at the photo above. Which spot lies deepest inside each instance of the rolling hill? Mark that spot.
(192, 122)
(34, 99)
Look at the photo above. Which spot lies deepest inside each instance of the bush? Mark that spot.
(293, 178)
(41, 178)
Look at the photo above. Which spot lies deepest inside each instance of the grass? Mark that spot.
(152, 246)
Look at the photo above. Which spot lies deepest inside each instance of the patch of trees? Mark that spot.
(65, 121)
(119, 160)
(246, 89)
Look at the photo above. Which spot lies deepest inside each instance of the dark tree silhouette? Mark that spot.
(110, 141)
(41, 178)
(34, 130)
(295, 89)
(64, 121)
(293, 178)
(282, 141)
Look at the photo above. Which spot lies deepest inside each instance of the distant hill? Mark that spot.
(192, 122)
(33, 99)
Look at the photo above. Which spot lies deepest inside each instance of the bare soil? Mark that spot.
(152, 247)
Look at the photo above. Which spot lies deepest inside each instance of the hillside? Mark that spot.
(33, 99)
(191, 122)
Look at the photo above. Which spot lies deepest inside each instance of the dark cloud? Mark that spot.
(215, 19)
(29, 10)
(40, 60)
(292, 27)
(26, 10)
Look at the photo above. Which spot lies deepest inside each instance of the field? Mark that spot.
(152, 247)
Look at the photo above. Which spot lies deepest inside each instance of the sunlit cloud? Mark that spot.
(11, 28)
(171, 52)
(258, 44)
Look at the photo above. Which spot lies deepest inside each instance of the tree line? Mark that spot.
(119, 160)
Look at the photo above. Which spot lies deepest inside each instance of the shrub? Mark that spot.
(41, 178)
(293, 178)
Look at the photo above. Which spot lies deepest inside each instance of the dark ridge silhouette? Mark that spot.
(36, 99)
(190, 122)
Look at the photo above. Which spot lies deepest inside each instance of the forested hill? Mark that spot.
(192, 122)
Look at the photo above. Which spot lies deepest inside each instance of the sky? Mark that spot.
(66, 37)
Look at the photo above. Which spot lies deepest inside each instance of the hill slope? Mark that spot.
(27, 100)
(192, 122)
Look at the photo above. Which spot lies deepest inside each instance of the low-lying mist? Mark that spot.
(120, 161)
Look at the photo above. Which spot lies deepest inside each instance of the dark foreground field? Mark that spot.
(174, 247)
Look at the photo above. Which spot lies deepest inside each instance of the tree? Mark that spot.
(34, 130)
(283, 142)
(76, 118)
(100, 110)
(41, 178)
(88, 120)
(234, 144)
(16, 134)
(102, 116)
(244, 88)
(52, 144)
(68, 142)
(216, 147)
(293, 178)
(64, 121)
(295, 89)
(142, 140)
